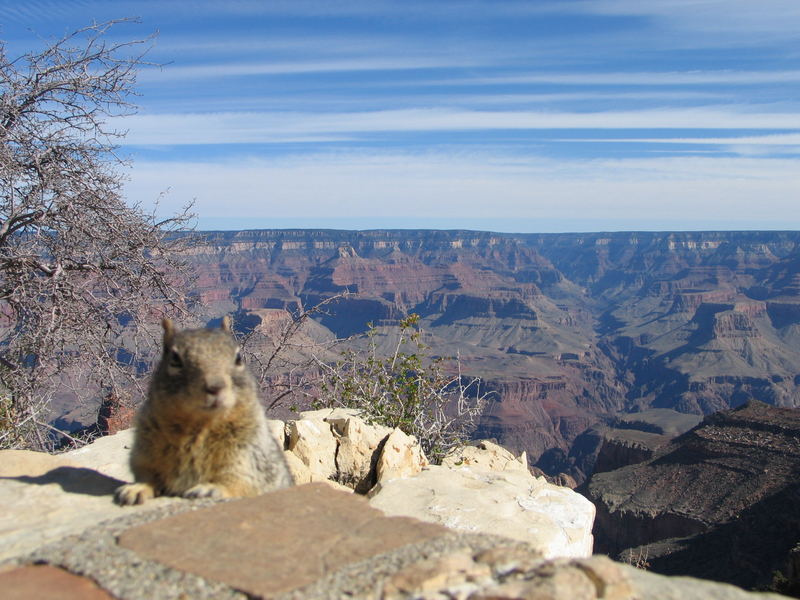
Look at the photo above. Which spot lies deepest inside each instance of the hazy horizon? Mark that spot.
(334, 225)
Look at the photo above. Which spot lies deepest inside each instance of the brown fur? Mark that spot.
(202, 431)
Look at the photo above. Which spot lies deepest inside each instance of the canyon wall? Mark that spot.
(720, 500)
(567, 330)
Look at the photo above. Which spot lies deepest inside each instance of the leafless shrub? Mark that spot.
(81, 272)
(284, 355)
(639, 558)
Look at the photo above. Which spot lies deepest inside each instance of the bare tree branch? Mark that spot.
(83, 274)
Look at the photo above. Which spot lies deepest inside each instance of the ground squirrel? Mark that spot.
(202, 431)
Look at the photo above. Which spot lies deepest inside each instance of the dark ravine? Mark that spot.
(634, 438)
(721, 500)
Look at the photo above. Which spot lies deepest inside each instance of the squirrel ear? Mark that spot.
(227, 324)
(169, 331)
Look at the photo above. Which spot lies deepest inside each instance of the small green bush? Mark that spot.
(424, 396)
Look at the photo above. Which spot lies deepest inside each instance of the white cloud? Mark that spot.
(351, 102)
(438, 186)
(273, 67)
(649, 78)
(269, 127)
(755, 145)
(740, 16)
(781, 139)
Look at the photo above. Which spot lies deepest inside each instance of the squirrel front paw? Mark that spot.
(207, 490)
(133, 493)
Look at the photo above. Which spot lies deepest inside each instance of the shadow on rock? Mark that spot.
(74, 480)
(747, 551)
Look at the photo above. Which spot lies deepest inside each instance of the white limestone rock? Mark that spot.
(46, 497)
(300, 471)
(335, 416)
(357, 454)
(313, 443)
(486, 455)
(278, 430)
(363, 453)
(512, 503)
(401, 457)
(108, 455)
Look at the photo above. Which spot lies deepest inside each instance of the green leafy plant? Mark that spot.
(408, 388)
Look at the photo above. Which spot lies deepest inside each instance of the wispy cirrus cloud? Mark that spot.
(651, 78)
(227, 70)
(783, 139)
(734, 16)
(676, 109)
(268, 127)
(752, 145)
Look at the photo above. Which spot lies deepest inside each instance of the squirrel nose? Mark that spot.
(214, 387)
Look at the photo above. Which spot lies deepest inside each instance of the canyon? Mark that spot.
(567, 331)
(719, 501)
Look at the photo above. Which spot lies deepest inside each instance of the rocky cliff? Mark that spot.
(720, 499)
(514, 320)
(696, 321)
(634, 438)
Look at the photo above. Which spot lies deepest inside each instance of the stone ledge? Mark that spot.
(46, 497)
(277, 542)
(468, 565)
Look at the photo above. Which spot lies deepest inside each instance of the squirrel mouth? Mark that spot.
(217, 402)
(213, 403)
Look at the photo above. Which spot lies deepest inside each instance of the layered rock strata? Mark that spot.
(720, 499)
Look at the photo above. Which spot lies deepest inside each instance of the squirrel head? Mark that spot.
(201, 369)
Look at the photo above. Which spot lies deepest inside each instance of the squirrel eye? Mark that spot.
(175, 360)
(239, 360)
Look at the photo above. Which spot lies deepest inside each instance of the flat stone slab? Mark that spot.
(44, 581)
(277, 542)
(46, 497)
(510, 503)
(107, 455)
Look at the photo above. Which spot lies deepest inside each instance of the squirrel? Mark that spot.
(201, 432)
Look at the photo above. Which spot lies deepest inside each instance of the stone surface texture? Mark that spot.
(266, 549)
(506, 573)
(45, 497)
(401, 457)
(107, 455)
(513, 504)
(278, 430)
(486, 455)
(312, 441)
(337, 444)
(359, 447)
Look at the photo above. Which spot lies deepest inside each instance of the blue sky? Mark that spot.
(539, 115)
